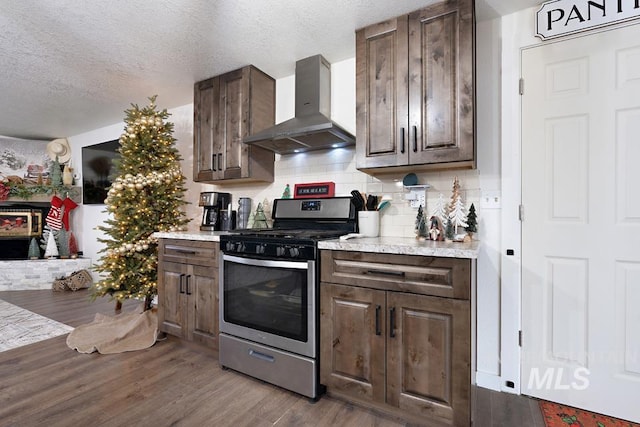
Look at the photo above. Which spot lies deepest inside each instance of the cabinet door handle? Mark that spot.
(415, 139)
(378, 330)
(219, 161)
(181, 283)
(187, 280)
(386, 273)
(392, 322)
(213, 162)
(402, 140)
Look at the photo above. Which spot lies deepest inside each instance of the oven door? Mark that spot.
(269, 302)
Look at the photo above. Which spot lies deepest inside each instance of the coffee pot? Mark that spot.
(213, 204)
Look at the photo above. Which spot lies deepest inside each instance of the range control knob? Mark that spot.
(294, 252)
(230, 247)
(241, 247)
(280, 251)
(260, 249)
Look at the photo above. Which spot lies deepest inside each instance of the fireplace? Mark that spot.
(19, 223)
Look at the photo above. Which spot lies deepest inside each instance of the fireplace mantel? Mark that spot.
(74, 193)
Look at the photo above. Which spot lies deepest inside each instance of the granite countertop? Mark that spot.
(386, 245)
(404, 246)
(206, 236)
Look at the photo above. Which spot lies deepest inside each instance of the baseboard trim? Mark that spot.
(490, 381)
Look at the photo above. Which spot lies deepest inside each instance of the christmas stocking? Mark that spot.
(69, 205)
(54, 217)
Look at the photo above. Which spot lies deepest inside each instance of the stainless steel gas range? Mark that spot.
(269, 292)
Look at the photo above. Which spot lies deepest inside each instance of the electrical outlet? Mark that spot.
(491, 200)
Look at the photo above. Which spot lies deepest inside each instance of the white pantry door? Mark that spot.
(581, 226)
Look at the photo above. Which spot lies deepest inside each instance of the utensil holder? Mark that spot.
(369, 223)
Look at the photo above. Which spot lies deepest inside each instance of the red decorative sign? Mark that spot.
(315, 190)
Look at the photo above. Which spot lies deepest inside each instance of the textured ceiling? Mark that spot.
(70, 66)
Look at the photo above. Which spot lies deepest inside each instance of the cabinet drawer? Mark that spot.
(443, 277)
(189, 252)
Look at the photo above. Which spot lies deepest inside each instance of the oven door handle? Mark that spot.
(301, 265)
(261, 356)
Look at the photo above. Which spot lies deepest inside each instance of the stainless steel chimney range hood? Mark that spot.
(311, 128)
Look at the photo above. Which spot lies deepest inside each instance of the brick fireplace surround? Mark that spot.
(37, 274)
(22, 274)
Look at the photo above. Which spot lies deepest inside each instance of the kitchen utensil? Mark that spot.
(372, 202)
(358, 200)
(383, 205)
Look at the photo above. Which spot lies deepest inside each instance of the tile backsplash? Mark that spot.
(338, 166)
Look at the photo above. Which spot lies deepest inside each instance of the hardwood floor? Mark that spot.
(173, 383)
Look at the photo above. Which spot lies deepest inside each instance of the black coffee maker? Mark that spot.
(213, 204)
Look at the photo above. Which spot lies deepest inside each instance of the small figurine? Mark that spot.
(435, 229)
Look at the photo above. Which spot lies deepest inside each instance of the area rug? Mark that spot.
(556, 415)
(116, 334)
(20, 327)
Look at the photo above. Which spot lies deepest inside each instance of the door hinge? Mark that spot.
(521, 212)
(519, 338)
(521, 86)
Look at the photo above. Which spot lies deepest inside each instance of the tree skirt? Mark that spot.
(20, 327)
(556, 415)
(116, 334)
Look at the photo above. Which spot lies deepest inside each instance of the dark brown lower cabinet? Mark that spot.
(403, 353)
(188, 290)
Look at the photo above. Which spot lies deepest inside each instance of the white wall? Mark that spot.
(339, 166)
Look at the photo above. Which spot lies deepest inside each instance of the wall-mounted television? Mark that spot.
(98, 170)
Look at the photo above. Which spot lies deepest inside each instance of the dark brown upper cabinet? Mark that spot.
(415, 90)
(228, 108)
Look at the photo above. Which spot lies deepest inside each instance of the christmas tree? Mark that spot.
(457, 213)
(34, 250)
(421, 224)
(472, 220)
(73, 245)
(146, 196)
(440, 209)
(448, 231)
(56, 173)
(286, 194)
(63, 243)
(51, 248)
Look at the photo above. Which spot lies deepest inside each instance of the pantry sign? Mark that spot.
(561, 17)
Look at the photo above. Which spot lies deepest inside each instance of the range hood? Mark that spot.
(311, 128)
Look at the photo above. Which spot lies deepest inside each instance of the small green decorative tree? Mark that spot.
(63, 243)
(146, 196)
(449, 231)
(56, 173)
(421, 224)
(472, 220)
(34, 249)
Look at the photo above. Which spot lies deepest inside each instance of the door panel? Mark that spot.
(382, 94)
(203, 289)
(172, 303)
(354, 363)
(580, 257)
(429, 356)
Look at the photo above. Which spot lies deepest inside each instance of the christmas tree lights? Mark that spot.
(146, 196)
